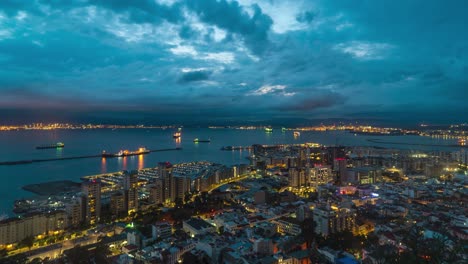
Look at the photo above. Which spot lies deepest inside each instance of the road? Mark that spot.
(55, 250)
(227, 181)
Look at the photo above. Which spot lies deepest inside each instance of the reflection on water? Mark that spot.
(103, 165)
(178, 141)
(141, 161)
(124, 162)
(59, 152)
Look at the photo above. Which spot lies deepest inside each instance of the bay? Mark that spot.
(20, 145)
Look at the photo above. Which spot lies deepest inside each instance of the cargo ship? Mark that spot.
(176, 135)
(124, 153)
(51, 146)
(201, 140)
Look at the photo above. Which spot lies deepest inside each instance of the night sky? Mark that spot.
(207, 60)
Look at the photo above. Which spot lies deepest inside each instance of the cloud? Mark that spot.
(142, 11)
(268, 57)
(231, 17)
(272, 89)
(186, 32)
(222, 57)
(195, 76)
(305, 17)
(343, 26)
(320, 100)
(364, 50)
(184, 51)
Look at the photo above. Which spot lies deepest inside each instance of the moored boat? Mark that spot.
(201, 140)
(50, 146)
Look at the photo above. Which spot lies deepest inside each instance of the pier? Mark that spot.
(19, 162)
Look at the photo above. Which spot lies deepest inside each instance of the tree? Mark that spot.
(78, 255)
(385, 254)
(190, 258)
(101, 252)
(179, 202)
(187, 197)
(27, 242)
(308, 231)
(16, 259)
(36, 261)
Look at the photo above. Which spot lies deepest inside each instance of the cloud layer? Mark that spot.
(236, 59)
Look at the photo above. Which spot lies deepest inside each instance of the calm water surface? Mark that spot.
(20, 145)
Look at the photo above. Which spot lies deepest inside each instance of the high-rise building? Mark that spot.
(74, 212)
(297, 178)
(117, 204)
(332, 219)
(130, 186)
(181, 186)
(320, 175)
(156, 192)
(461, 156)
(339, 165)
(13, 230)
(362, 175)
(165, 173)
(92, 200)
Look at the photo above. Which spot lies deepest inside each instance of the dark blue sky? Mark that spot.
(150, 60)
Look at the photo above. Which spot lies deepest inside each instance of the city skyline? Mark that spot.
(229, 61)
(233, 131)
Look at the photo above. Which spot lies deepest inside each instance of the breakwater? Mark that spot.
(19, 162)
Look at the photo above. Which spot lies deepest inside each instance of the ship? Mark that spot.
(268, 129)
(176, 135)
(51, 146)
(124, 153)
(201, 140)
(297, 133)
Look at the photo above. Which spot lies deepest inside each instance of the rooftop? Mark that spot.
(198, 223)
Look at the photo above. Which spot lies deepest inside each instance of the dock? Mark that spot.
(19, 162)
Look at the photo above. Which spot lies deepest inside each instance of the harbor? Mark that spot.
(78, 143)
